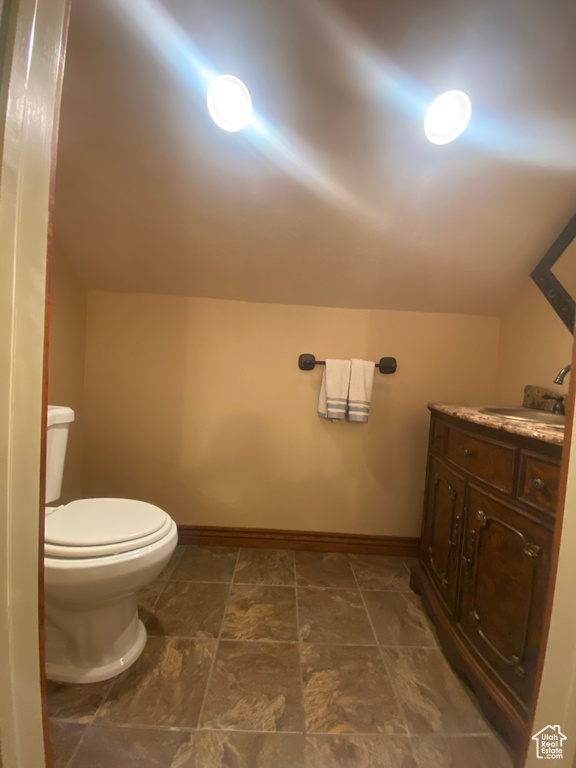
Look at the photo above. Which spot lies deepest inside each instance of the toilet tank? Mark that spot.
(59, 419)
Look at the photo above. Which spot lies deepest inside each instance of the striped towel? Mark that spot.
(333, 400)
(360, 392)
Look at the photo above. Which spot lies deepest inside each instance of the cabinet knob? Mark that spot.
(466, 453)
(538, 484)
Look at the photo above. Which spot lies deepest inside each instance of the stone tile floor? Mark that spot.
(277, 659)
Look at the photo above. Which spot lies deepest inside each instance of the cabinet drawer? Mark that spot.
(487, 460)
(438, 430)
(539, 482)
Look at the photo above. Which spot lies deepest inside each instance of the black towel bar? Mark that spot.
(307, 363)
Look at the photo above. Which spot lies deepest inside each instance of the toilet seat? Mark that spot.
(89, 528)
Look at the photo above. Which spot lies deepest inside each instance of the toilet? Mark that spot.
(98, 554)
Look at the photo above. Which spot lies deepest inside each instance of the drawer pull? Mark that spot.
(538, 484)
(466, 453)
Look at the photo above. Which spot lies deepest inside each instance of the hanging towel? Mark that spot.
(334, 390)
(360, 392)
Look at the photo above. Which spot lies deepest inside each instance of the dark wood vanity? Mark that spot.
(487, 535)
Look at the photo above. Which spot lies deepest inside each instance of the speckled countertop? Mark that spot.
(544, 432)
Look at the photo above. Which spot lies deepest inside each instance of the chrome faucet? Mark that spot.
(562, 375)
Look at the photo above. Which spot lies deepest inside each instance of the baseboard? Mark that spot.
(319, 541)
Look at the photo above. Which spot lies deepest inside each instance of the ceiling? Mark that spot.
(339, 200)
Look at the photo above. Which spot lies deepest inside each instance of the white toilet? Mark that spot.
(98, 554)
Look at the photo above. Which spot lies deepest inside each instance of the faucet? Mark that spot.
(559, 407)
(562, 375)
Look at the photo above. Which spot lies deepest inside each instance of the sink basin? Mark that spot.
(528, 414)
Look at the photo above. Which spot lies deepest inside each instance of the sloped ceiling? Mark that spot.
(340, 201)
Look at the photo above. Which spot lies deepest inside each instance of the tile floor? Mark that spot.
(275, 659)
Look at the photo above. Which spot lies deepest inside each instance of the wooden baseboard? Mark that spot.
(319, 541)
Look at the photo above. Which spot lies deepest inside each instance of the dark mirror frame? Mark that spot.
(551, 287)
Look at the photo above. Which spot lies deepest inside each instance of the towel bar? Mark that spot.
(307, 363)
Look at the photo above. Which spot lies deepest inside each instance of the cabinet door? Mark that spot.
(506, 560)
(442, 525)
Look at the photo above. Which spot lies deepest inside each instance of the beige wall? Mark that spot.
(66, 363)
(198, 405)
(534, 345)
(212, 419)
(557, 696)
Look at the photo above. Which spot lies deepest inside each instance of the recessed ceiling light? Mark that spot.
(229, 103)
(447, 117)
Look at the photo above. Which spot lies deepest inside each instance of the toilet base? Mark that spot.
(91, 610)
(68, 673)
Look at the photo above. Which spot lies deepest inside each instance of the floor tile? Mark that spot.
(255, 687)
(399, 618)
(433, 699)
(165, 686)
(333, 616)
(376, 572)
(206, 564)
(347, 690)
(265, 566)
(357, 698)
(64, 738)
(178, 552)
(226, 749)
(189, 609)
(109, 746)
(147, 598)
(256, 612)
(359, 752)
(324, 569)
(457, 751)
(76, 702)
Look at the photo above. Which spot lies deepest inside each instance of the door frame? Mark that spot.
(32, 47)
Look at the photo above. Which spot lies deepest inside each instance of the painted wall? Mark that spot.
(66, 363)
(557, 696)
(198, 405)
(534, 345)
(213, 420)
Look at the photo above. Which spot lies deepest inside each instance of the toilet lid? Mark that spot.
(95, 527)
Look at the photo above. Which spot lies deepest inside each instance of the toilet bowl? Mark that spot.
(98, 554)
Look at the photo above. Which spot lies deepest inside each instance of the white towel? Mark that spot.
(360, 392)
(334, 390)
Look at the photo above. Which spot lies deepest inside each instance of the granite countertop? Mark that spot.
(544, 432)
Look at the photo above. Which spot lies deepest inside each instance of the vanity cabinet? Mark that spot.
(483, 572)
(441, 533)
(505, 567)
